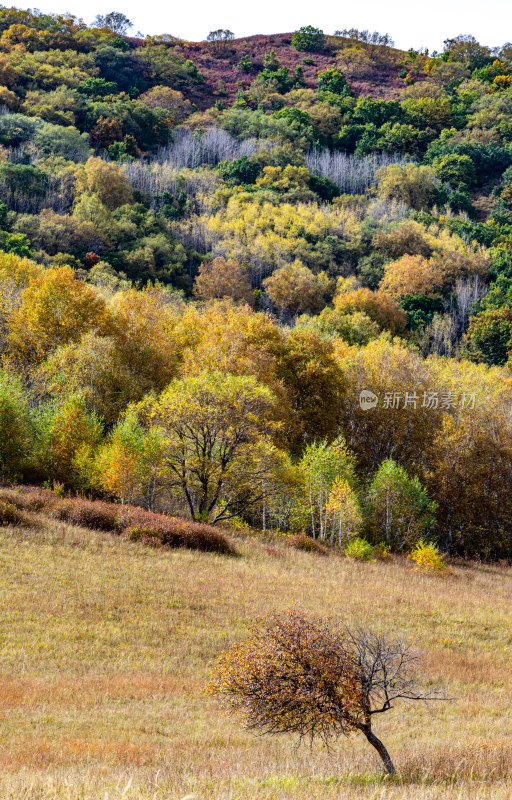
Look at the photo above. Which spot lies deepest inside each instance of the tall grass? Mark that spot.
(106, 646)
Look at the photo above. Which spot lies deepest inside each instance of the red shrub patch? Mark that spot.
(96, 515)
(144, 526)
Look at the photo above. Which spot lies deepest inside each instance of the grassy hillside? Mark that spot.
(380, 81)
(106, 645)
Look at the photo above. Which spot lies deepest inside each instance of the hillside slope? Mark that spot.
(381, 81)
(106, 645)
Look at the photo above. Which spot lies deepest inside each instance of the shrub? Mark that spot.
(10, 515)
(297, 674)
(174, 533)
(27, 500)
(359, 549)
(308, 544)
(94, 515)
(144, 526)
(427, 558)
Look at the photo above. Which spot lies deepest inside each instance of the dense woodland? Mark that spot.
(208, 250)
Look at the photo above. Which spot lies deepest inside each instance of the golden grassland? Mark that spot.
(106, 644)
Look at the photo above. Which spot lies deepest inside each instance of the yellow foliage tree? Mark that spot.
(143, 325)
(343, 513)
(55, 309)
(105, 180)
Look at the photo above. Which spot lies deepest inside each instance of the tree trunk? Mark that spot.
(381, 750)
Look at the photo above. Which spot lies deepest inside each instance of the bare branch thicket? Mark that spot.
(352, 174)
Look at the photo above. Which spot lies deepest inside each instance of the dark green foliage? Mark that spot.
(15, 129)
(120, 44)
(332, 80)
(169, 205)
(16, 243)
(460, 202)
(488, 159)
(123, 69)
(273, 73)
(23, 178)
(308, 39)
(489, 336)
(499, 295)
(15, 427)
(377, 111)
(98, 87)
(455, 169)
(56, 140)
(298, 77)
(420, 309)
(245, 64)
(240, 171)
(324, 188)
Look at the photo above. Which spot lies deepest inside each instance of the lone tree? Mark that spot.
(308, 39)
(304, 675)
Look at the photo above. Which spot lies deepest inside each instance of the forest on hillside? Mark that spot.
(213, 254)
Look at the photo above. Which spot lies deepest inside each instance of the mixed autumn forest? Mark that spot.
(255, 328)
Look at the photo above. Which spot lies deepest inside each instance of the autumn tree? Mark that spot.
(322, 466)
(306, 366)
(15, 427)
(416, 186)
(294, 289)
(223, 278)
(308, 676)
(55, 309)
(67, 436)
(398, 509)
(343, 513)
(412, 275)
(217, 449)
(129, 464)
(489, 336)
(377, 305)
(169, 99)
(404, 423)
(475, 515)
(94, 368)
(104, 180)
(142, 325)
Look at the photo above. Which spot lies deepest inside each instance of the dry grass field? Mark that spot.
(105, 646)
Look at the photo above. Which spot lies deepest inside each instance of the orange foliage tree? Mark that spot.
(376, 305)
(298, 674)
(412, 275)
(223, 278)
